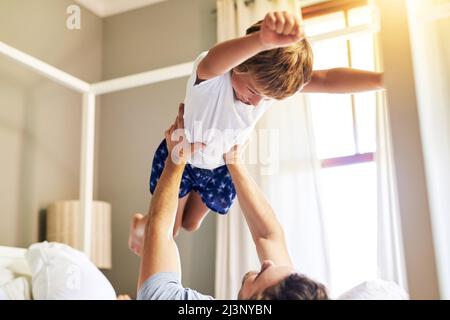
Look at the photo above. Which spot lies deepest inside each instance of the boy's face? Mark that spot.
(245, 89)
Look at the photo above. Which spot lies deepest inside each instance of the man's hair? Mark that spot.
(295, 287)
(281, 72)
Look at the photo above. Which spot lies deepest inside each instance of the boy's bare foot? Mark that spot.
(137, 230)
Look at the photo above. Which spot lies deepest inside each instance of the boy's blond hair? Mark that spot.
(279, 73)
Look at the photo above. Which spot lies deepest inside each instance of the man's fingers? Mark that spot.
(235, 155)
(180, 117)
(181, 110)
(239, 149)
(244, 146)
(168, 133)
(169, 129)
(197, 146)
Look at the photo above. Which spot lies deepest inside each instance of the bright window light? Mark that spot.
(324, 24)
(362, 52)
(365, 105)
(330, 54)
(350, 206)
(345, 126)
(333, 125)
(358, 16)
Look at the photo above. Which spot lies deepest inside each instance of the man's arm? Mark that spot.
(160, 252)
(278, 29)
(344, 80)
(267, 232)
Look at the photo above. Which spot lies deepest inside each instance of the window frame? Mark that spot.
(333, 6)
(326, 8)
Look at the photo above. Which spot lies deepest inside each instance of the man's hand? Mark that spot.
(235, 155)
(280, 29)
(179, 148)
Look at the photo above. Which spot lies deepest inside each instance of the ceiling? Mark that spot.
(105, 8)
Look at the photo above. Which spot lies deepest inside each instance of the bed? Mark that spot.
(53, 271)
(14, 260)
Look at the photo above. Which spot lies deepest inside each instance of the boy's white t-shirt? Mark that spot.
(214, 116)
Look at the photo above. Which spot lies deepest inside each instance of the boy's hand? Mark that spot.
(179, 148)
(280, 29)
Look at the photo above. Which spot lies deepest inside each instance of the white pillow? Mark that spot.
(17, 289)
(3, 295)
(6, 276)
(60, 272)
(375, 290)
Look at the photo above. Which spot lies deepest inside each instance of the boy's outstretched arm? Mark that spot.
(160, 252)
(278, 29)
(344, 80)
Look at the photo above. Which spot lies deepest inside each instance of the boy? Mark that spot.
(230, 88)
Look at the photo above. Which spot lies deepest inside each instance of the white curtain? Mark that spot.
(429, 23)
(390, 246)
(286, 171)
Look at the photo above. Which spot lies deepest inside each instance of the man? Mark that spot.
(160, 272)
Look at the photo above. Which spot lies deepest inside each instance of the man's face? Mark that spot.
(245, 89)
(254, 282)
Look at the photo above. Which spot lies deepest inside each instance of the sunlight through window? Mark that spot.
(345, 132)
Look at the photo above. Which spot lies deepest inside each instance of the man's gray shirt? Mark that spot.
(167, 286)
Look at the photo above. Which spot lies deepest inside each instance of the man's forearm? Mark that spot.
(344, 80)
(229, 54)
(160, 252)
(259, 214)
(164, 202)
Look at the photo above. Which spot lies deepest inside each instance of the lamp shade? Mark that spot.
(63, 223)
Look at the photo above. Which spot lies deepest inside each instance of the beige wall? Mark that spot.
(12, 100)
(133, 123)
(40, 120)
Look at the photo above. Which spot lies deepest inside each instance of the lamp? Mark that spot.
(63, 224)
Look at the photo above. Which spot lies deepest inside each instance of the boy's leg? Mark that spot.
(137, 230)
(194, 212)
(139, 221)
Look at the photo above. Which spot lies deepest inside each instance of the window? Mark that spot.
(345, 137)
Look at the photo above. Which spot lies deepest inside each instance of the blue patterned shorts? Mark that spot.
(214, 186)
